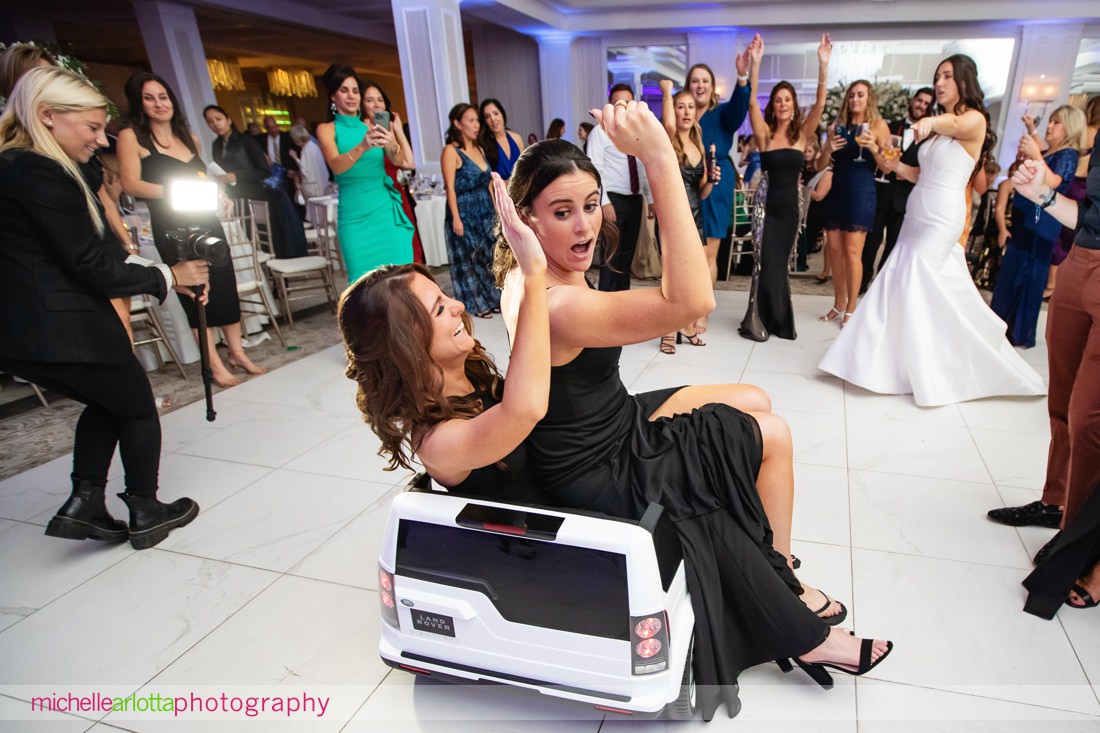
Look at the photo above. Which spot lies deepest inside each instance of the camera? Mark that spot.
(196, 243)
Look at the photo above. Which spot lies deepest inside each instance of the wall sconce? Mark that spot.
(291, 82)
(225, 76)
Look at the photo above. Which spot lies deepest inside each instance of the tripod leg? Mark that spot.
(204, 357)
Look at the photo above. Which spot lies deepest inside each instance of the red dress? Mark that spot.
(406, 204)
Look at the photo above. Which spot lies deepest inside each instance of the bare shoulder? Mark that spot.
(517, 139)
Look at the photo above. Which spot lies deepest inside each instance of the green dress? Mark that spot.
(372, 226)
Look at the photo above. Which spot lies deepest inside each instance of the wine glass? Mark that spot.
(891, 151)
(859, 129)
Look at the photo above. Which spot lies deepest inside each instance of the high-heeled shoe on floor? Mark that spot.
(837, 618)
(833, 314)
(694, 339)
(668, 344)
(819, 674)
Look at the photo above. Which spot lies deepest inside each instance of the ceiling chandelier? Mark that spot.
(291, 82)
(225, 76)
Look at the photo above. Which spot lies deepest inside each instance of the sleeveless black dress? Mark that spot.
(223, 308)
(508, 480)
(781, 218)
(597, 450)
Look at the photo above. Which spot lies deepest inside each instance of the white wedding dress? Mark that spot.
(923, 327)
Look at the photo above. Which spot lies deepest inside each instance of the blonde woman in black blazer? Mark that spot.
(58, 268)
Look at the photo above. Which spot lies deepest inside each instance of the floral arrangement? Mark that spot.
(893, 101)
(71, 63)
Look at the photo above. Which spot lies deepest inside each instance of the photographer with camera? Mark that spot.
(159, 147)
(58, 268)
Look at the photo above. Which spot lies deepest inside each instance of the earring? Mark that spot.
(49, 125)
(332, 106)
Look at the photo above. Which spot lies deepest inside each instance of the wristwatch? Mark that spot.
(1048, 200)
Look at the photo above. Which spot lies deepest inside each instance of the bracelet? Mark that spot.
(349, 156)
(743, 78)
(822, 83)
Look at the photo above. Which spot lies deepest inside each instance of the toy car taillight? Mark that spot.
(385, 597)
(649, 639)
(648, 628)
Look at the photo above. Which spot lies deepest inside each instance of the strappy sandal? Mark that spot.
(694, 339)
(845, 317)
(484, 314)
(821, 676)
(837, 618)
(1084, 595)
(668, 344)
(833, 314)
(795, 562)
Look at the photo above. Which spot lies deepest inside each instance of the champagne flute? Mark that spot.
(892, 151)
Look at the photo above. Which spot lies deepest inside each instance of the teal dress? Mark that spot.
(372, 226)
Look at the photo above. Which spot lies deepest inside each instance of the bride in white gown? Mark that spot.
(923, 327)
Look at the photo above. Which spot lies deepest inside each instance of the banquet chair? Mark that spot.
(143, 316)
(247, 265)
(322, 237)
(294, 275)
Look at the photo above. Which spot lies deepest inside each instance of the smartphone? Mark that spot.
(382, 118)
(840, 131)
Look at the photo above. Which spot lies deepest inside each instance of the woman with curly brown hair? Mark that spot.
(428, 388)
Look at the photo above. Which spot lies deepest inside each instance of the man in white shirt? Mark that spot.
(624, 185)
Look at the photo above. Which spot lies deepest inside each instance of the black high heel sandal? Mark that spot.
(693, 339)
(820, 675)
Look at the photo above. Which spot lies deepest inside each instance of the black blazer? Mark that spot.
(242, 156)
(899, 192)
(56, 273)
(285, 146)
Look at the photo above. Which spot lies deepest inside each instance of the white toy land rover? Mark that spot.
(571, 604)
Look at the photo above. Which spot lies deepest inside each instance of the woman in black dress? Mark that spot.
(426, 386)
(159, 146)
(781, 134)
(725, 475)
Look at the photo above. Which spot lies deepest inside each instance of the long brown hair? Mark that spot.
(971, 96)
(388, 339)
(695, 134)
(139, 121)
(795, 130)
(536, 168)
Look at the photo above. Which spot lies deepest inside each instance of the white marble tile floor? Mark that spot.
(273, 589)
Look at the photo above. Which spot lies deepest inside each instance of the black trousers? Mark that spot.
(887, 221)
(615, 271)
(120, 411)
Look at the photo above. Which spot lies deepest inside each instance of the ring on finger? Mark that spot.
(621, 103)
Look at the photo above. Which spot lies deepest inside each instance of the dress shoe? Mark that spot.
(1035, 514)
(1045, 550)
(151, 520)
(85, 516)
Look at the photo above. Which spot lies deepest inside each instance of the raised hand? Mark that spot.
(825, 50)
(1029, 123)
(742, 60)
(380, 137)
(1030, 179)
(756, 49)
(521, 239)
(666, 87)
(634, 130)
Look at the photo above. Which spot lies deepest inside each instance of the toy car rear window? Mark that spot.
(543, 584)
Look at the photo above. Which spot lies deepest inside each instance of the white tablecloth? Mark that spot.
(429, 222)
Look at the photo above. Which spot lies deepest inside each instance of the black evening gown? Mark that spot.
(597, 450)
(223, 308)
(781, 219)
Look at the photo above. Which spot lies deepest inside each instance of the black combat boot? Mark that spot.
(152, 520)
(84, 516)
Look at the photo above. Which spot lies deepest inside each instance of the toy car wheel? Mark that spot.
(683, 707)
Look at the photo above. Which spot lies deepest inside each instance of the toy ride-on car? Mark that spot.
(575, 605)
